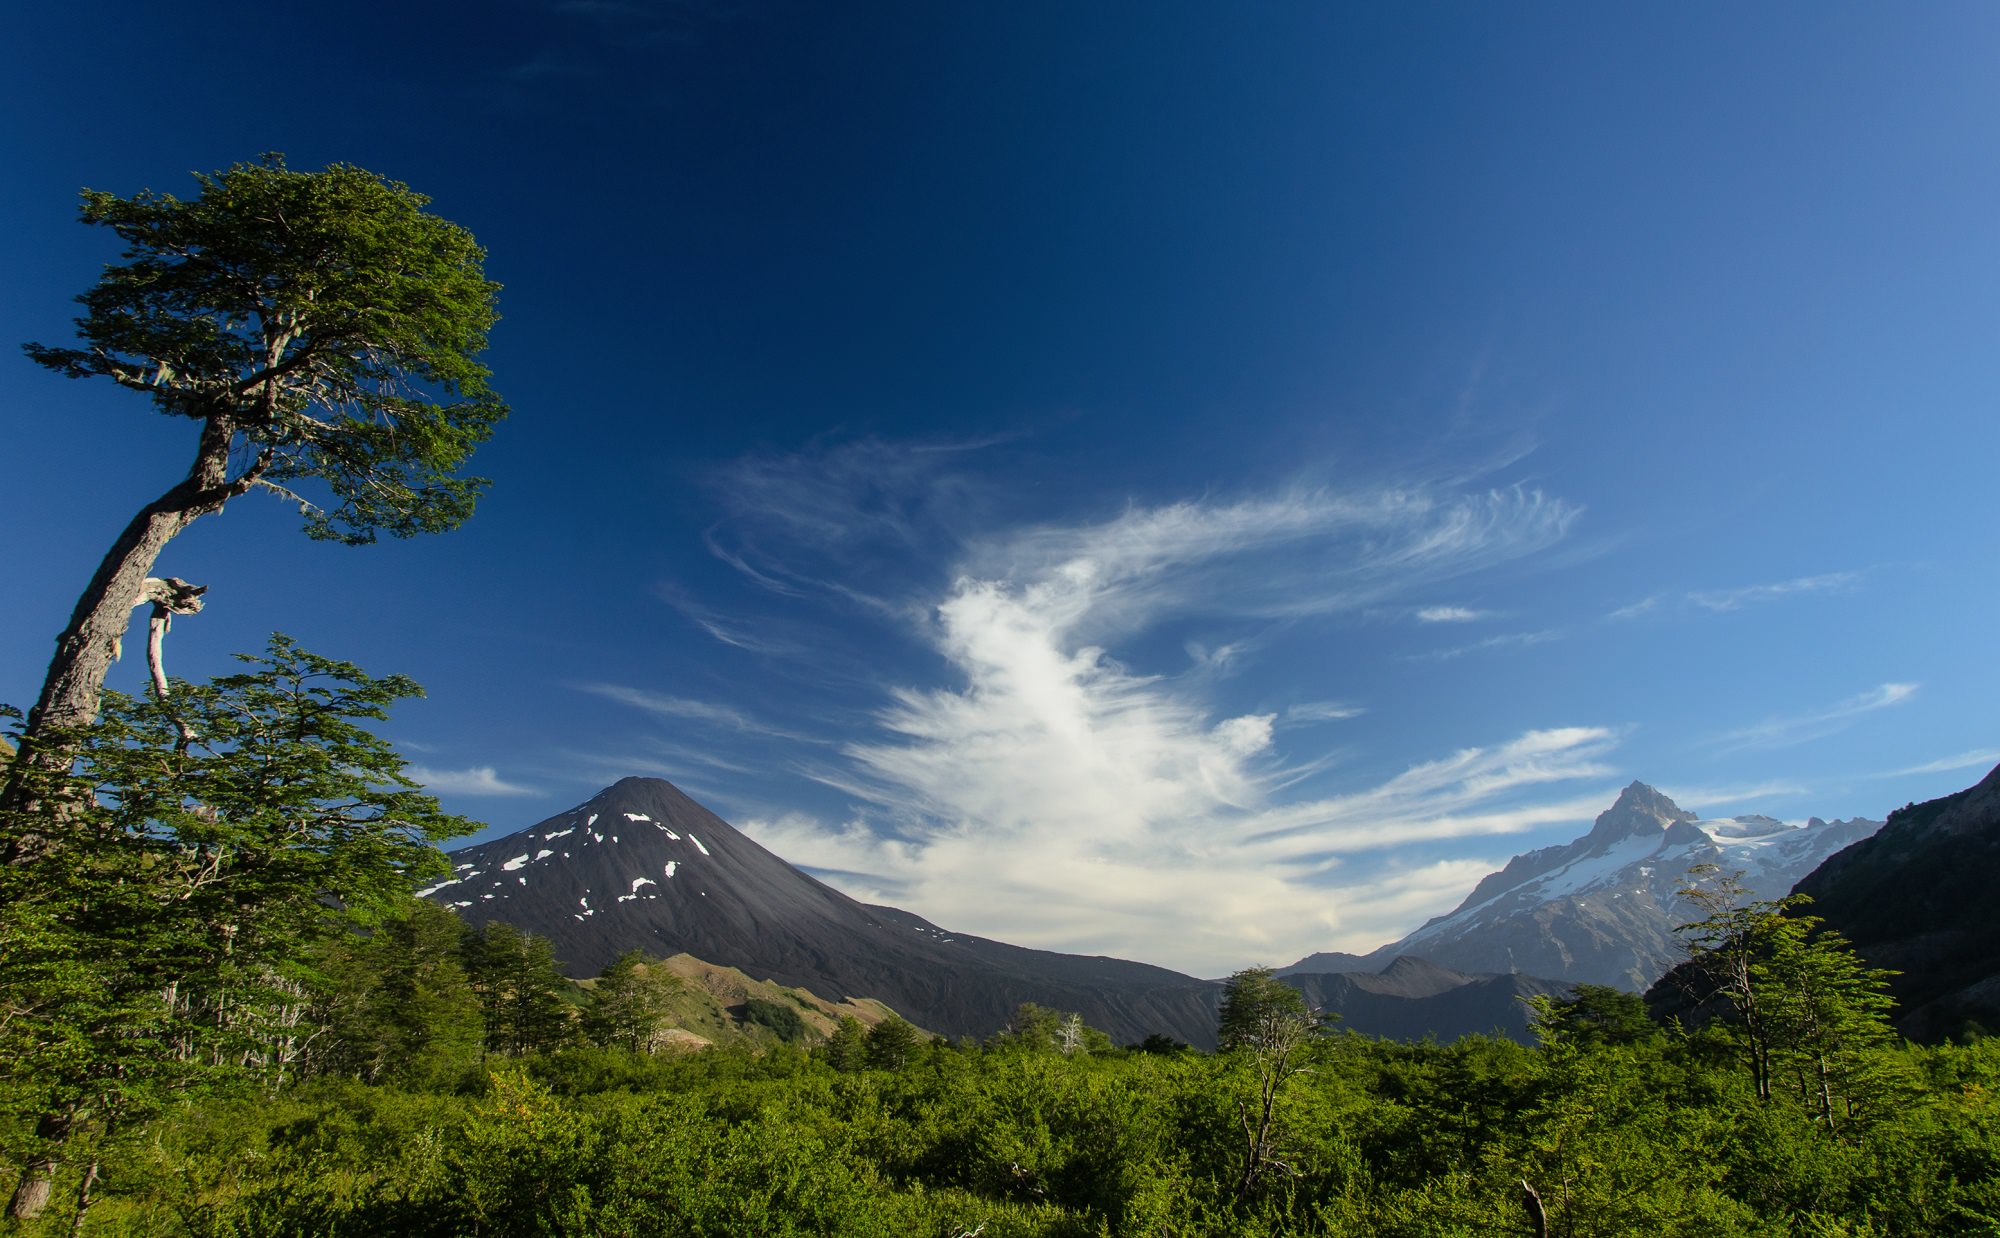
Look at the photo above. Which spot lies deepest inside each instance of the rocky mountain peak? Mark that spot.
(1639, 811)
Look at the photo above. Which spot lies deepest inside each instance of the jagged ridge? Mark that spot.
(1602, 908)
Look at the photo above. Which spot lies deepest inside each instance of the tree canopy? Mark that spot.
(322, 329)
(326, 318)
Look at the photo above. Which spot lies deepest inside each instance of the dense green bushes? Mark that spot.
(1655, 1136)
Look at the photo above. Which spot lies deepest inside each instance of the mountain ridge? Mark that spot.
(642, 866)
(1602, 908)
(1914, 898)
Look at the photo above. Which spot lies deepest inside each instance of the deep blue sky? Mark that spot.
(1194, 484)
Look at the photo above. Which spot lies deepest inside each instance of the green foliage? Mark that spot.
(629, 1004)
(1616, 1129)
(1804, 1008)
(402, 1009)
(173, 940)
(326, 318)
(1038, 1029)
(1259, 1010)
(847, 1049)
(1648, 1136)
(528, 1005)
(891, 1044)
(1594, 1014)
(781, 1021)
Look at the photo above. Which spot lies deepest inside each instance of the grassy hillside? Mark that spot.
(712, 1005)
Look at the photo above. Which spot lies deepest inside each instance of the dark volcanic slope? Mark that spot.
(1412, 998)
(1918, 898)
(643, 867)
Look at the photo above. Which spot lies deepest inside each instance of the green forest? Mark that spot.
(431, 1080)
(223, 1012)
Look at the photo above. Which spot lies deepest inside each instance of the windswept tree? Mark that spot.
(320, 330)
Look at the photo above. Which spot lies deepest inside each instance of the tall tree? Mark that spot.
(1270, 1021)
(522, 992)
(1803, 1004)
(401, 1007)
(173, 945)
(846, 1049)
(320, 330)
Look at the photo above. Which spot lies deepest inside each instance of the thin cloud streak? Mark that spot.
(668, 706)
(1451, 614)
(479, 780)
(1786, 732)
(1323, 711)
(1506, 640)
(1723, 601)
(1977, 759)
(1736, 599)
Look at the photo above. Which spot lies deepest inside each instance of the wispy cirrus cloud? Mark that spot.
(1818, 724)
(1051, 793)
(1722, 601)
(1978, 758)
(666, 705)
(1323, 711)
(1451, 614)
(1750, 595)
(1505, 640)
(479, 780)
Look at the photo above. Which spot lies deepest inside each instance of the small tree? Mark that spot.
(1593, 1014)
(629, 1003)
(1269, 1020)
(173, 946)
(891, 1044)
(1803, 1004)
(320, 330)
(847, 1049)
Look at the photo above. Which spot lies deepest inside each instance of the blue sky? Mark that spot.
(1196, 485)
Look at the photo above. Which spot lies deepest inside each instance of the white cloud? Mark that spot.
(1803, 728)
(1708, 800)
(1059, 799)
(1644, 606)
(480, 780)
(1287, 555)
(1053, 795)
(1184, 877)
(1451, 614)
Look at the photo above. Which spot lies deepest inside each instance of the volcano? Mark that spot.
(641, 866)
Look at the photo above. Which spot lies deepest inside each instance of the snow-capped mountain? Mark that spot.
(640, 866)
(1602, 909)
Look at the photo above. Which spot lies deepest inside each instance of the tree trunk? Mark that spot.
(88, 646)
(38, 1176)
(83, 1199)
(1538, 1216)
